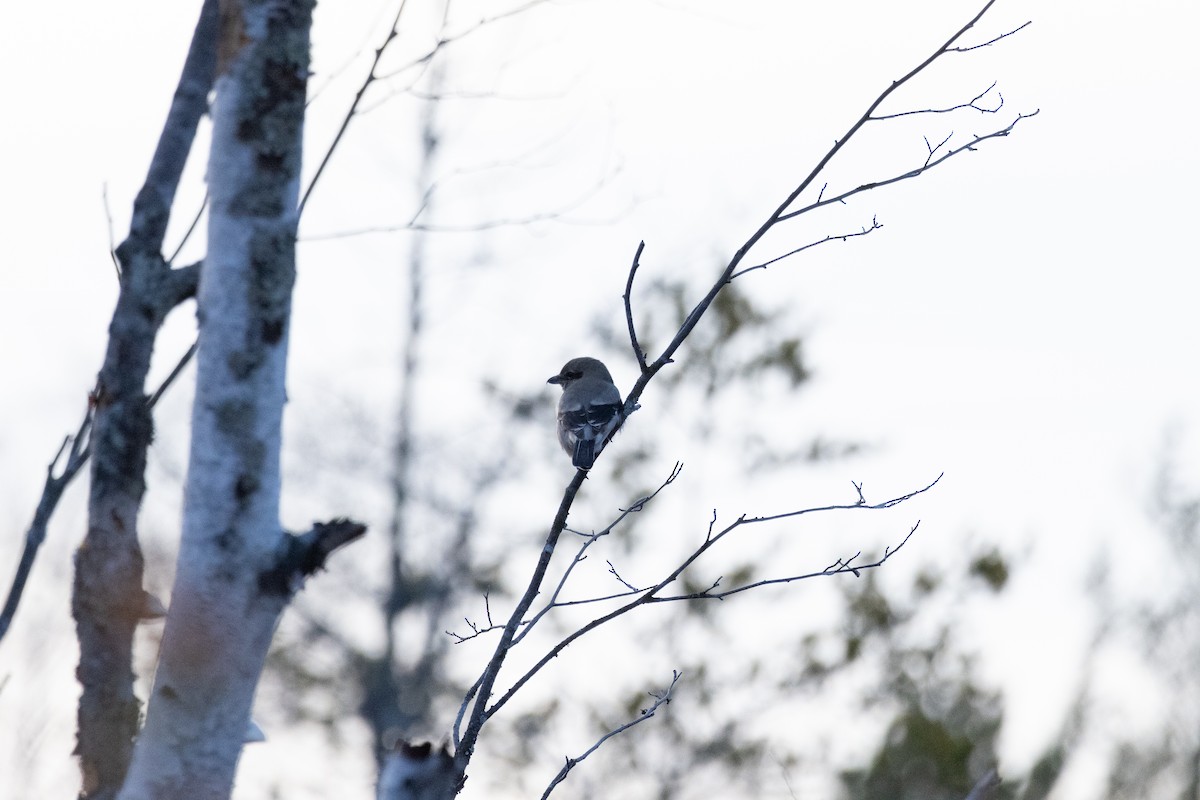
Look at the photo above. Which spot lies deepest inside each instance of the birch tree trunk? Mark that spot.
(237, 567)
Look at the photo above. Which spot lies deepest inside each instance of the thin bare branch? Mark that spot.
(612, 570)
(480, 696)
(478, 716)
(444, 41)
(660, 699)
(481, 692)
(175, 371)
(861, 503)
(585, 601)
(833, 237)
(781, 212)
(990, 41)
(191, 228)
(414, 223)
(112, 238)
(638, 352)
(170, 287)
(374, 75)
(933, 148)
(849, 134)
(476, 628)
(76, 449)
(972, 103)
(462, 710)
(472, 227)
(929, 164)
(634, 508)
(839, 567)
(350, 112)
(651, 595)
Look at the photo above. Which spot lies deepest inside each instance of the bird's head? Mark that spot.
(577, 368)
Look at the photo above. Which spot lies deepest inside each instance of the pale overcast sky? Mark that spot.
(1025, 321)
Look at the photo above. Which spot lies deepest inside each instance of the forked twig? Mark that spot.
(651, 595)
(660, 699)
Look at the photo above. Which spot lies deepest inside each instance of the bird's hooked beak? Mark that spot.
(557, 379)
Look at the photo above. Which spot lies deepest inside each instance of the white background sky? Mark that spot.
(1025, 321)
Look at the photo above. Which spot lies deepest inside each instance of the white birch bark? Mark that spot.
(235, 572)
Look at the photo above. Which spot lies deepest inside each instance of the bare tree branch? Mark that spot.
(651, 595)
(637, 506)
(112, 239)
(445, 40)
(184, 360)
(466, 746)
(303, 555)
(479, 697)
(463, 708)
(781, 212)
(180, 285)
(991, 41)
(929, 164)
(123, 426)
(591, 539)
(660, 699)
(833, 237)
(972, 103)
(477, 629)
(195, 223)
(838, 567)
(374, 75)
(638, 352)
(350, 112)
(432, 187)
(76, 448)
(467, 227)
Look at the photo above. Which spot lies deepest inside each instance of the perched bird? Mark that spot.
(588, 410)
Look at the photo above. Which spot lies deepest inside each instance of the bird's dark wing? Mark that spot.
(594, 417)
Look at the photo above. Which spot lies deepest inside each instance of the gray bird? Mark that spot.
(588, 410)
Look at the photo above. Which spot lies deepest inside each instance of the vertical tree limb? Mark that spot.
(107, 598)
(483, 689)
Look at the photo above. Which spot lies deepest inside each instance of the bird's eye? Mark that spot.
(574, 375)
